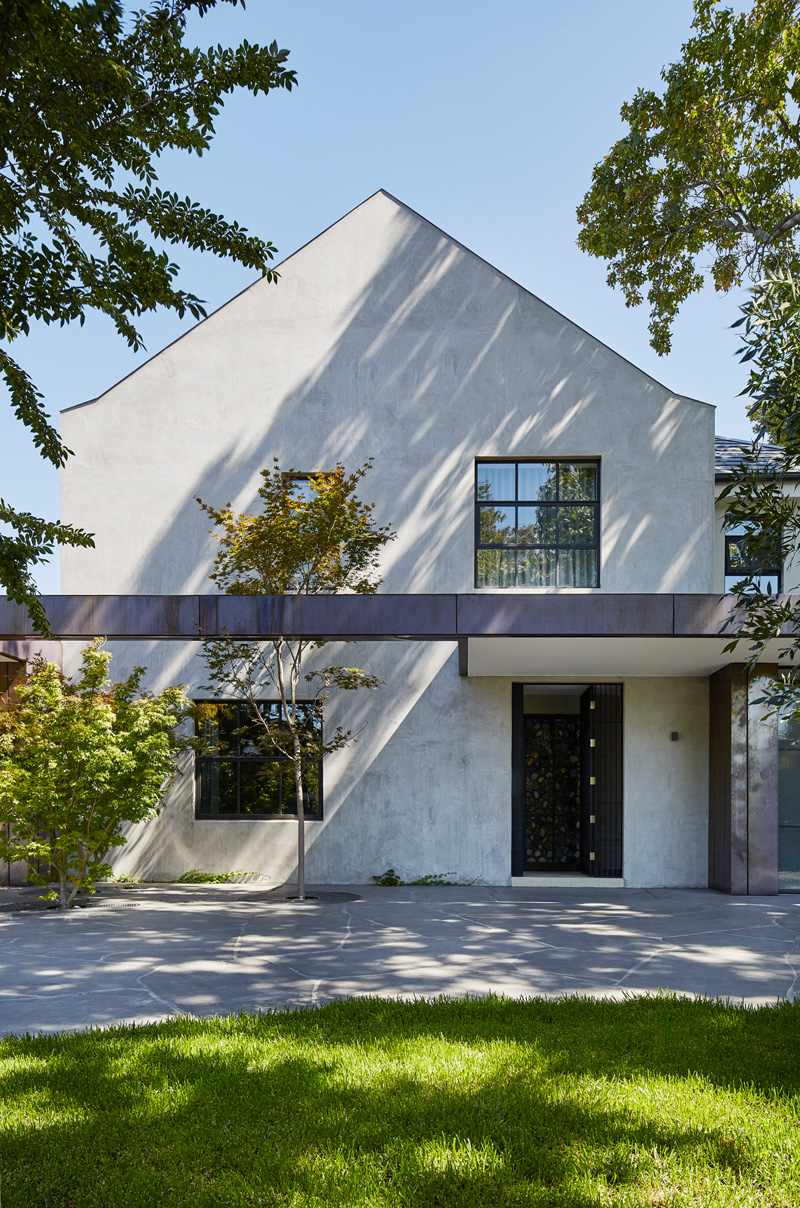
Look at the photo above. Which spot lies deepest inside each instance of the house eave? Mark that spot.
(380, 617)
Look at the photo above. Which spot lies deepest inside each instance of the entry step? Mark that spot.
(565, 880)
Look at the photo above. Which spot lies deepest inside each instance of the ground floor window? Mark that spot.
(237, 775)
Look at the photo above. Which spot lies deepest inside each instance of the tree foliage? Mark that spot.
(708, 169)
(77, 760)
(312, 536)
(90, 97)
(770, 332)
(760, 500)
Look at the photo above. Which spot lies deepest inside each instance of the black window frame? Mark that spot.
(202, 760)
(555, 503)
(302, 476)
(748, 570)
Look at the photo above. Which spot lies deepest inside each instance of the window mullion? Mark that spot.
(554, 559)
(557, 547)
(516, 524)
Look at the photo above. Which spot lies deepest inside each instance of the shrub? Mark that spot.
(77, 761)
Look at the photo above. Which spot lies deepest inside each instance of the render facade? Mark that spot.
(513, 454)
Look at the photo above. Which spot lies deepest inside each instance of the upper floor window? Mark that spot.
(300, 485)
(537, 523)
(765, 569)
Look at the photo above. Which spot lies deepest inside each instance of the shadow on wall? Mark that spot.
(161, 849)
(441, 359)
(402, 776)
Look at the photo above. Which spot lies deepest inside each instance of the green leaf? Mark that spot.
(707, 171)
(91, 96)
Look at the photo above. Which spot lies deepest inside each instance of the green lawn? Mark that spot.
(481, 1102)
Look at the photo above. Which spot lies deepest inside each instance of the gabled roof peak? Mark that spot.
(372, 206)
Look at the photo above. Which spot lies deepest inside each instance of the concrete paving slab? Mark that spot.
(201, 951)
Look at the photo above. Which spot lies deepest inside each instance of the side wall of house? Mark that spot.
(426, 788)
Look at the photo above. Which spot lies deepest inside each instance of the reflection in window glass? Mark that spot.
(753, 561)
(536, 568)
(259, 787)
(240, 773)
(497, 525)
(768, 584)
(551, 538)
(217, 787)
(576, 525)
(537, 526)
(496, 481)
(578, 480)
(217, 725)
(577, 567)
(310, 788)
(251, 739)
(496, 568)
(788, 804)
(537, 480)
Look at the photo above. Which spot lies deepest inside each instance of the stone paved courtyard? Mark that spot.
(200, 951)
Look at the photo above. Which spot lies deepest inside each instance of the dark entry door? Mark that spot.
(599, 812)
(552, 791)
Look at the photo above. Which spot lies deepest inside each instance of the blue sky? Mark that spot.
(487, 119)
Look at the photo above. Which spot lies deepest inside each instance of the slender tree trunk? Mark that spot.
(80, 873)
(62, 890)
(301, 821)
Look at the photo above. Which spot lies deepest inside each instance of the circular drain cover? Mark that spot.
(290, 897)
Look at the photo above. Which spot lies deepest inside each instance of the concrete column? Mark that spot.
(743, 784)
(762, 788)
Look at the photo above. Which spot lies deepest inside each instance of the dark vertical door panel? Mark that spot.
(789, 804)
(588, 716)
(552, 792)
(517, 780)
(608, 781)
(738, 773)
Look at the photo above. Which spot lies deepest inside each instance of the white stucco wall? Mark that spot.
(384, 338)
(665, 811)
(427, 786)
